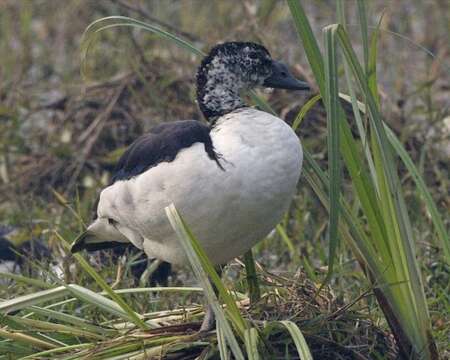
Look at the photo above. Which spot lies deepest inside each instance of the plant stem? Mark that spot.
(252, 280)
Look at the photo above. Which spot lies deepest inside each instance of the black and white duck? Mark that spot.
(231, 180)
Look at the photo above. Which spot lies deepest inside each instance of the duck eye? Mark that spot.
(283, 74)
(111, 221)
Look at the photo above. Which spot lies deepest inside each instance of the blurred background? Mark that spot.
(61, 134)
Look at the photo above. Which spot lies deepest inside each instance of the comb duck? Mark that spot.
(231, 180)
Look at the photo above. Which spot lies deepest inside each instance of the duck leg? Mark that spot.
(209, 321)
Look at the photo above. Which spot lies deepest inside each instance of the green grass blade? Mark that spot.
(288, 242)
(372, 65)
(334, 113)
(70, 319)
(36, 298)
(251, 339)
(362, 15)
(252, 278)
(181, 289)
(397, 220)
(309, 42)
(356, 106)
(26, 339)
(352, 230)
(229, 301)
(204, 270)
(384, 147)
(304, 110)
(436, 218)
(350, 151)
(39, 325)
(299, 340)
(421, 186)
(102, 302)
(357, 71)
(332, 107)
(263, 105)
(122, 21)
(222, 344)
(130, 314)
(296, 335)
(27, 280)
(58, 350)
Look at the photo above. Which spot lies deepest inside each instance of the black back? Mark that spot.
(162, 144)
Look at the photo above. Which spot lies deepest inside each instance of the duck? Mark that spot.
(231, 179)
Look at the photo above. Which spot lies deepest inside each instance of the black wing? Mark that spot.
(162, 144)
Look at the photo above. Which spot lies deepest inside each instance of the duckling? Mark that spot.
(232, 180)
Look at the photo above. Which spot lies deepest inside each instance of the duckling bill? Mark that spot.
(232, 180)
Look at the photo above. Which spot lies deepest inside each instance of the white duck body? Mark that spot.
(227, 210)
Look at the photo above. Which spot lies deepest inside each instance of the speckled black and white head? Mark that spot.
(235, 66)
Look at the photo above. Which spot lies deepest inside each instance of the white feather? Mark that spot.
(228, 211)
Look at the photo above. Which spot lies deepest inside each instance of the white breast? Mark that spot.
(228, 211)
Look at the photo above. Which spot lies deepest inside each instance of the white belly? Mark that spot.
(228, 211)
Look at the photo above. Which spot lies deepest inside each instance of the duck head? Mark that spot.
(232, 67)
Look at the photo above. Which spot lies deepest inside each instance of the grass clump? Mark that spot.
(46, 327)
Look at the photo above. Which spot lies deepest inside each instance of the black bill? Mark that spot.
(281, 78)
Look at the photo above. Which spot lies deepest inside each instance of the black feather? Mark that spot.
(162, 144)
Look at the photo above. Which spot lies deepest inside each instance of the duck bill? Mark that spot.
(88, 241)
(99, 235)
(80, 242)
(281, 78)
